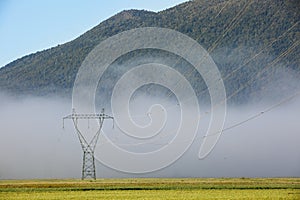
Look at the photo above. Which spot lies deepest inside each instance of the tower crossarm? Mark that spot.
(88, 116)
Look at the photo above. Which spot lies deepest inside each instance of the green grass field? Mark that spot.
(159, 188)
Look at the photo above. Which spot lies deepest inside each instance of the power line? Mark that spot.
(225, 5)
(229, 27)
(234, 21)
(262, 50)
(272, 107)
(269, 65)
(277, 59)
(258, 114)
(249, 60)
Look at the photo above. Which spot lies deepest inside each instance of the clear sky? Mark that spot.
(28, 26)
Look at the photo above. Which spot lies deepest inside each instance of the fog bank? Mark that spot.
(34, 145)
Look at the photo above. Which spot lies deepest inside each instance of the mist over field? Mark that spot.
(34, 145)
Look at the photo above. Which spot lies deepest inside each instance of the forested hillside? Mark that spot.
(243, 37)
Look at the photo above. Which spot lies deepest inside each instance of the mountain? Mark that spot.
(238, 34)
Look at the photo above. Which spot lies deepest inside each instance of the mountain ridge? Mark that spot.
(257, 24)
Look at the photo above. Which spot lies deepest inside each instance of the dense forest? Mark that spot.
(245, 37)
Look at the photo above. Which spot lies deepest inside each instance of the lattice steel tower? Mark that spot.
(88, 147)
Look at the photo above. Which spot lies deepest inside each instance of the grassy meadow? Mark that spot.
(153, 188)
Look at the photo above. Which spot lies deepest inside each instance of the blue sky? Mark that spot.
(28, 26)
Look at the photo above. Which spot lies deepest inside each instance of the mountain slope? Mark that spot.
(232, 31)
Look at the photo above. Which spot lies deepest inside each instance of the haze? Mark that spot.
(34, 145)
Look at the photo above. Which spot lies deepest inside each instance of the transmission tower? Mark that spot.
(88, 147)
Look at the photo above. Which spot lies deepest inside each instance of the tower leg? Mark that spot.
(88, 165)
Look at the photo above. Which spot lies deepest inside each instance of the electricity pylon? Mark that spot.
(88, 147)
